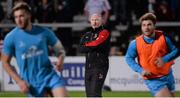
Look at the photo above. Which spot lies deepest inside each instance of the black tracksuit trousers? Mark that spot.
(94, 80)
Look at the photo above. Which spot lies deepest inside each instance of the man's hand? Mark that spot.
(146, 73)
(23, 86)
(59, 64)
(159, 62)
(59, 67)
(85, 38)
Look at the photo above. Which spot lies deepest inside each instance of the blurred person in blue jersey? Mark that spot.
(155, 52)
(96, 45)
(29, 45)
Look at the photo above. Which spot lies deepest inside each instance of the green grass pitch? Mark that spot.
(82, 94)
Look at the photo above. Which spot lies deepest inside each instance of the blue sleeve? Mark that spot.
(51, 37)
(8, 46)
(172, 51)
(130, 57)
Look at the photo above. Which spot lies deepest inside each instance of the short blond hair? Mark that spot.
(148, 16)
(21, 5)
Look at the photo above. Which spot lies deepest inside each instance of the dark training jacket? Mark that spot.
(96, 45)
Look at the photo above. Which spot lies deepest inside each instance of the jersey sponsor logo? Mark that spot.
(33, 51)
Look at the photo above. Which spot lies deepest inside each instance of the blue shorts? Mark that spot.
(51, 83)
(155, 85)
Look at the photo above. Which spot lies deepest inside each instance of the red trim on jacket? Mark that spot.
(103, 35)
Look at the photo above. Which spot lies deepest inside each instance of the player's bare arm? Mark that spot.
(6, 64)
(60, 52)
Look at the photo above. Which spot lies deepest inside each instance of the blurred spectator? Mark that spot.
(122, 11)
(176, 9)
(7, 20)
(1, 16)
(1, 13)
(151, 6)
(63, 9)
(45, 11)
(98, 6)
(163, 11)
(1, 34)
(64, 14)
(140, 7)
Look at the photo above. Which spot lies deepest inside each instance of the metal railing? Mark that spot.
(85, 24)
(63, 25)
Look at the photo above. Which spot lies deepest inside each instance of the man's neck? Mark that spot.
(29, 27)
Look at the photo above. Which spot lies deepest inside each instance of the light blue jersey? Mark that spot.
(30, 48)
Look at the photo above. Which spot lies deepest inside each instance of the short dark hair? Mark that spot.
(21, 5)
(148, 16)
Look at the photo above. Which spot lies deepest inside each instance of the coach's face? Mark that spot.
(148, 27)
(22, 18)
(96, 20)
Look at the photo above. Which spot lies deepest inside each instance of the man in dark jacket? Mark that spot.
(96, 45)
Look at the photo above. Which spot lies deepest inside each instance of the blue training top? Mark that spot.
(131, 53)
(31, 51)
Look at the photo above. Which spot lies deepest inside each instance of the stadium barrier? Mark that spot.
(85, 24)
(120, 77)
